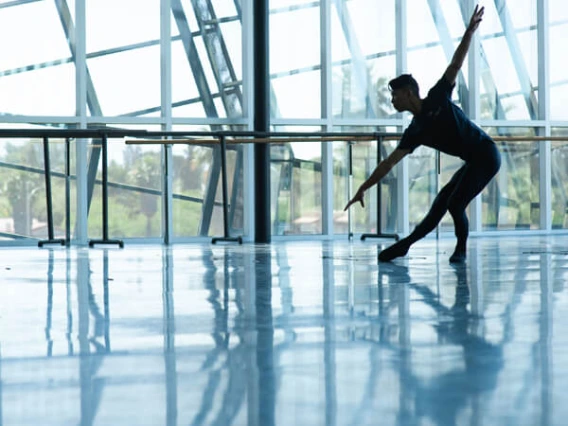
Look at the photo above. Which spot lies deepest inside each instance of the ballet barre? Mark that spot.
(223, 141)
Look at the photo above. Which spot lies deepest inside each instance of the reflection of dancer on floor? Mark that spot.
(463, 381)
(442, 125)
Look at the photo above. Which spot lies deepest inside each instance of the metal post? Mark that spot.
(349, 187)
(226, 232)
(67, 191)
(47, 173)
(105, 240)
(105, 186)
(379, 234)
(261, 121)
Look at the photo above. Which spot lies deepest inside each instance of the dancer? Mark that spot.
(440, 124)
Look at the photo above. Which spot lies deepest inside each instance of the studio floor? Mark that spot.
(290, 333)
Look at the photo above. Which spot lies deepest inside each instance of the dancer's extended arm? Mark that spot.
(380, 171)
(461, 51)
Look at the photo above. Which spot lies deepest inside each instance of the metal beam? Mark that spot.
(219, 57)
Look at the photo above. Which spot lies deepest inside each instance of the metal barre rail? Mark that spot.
(226, 139)
(338, 138)
(199, 138)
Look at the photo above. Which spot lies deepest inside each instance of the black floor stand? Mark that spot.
(105, 240)
(349, 185)
(47, 171)
(379, 234)
(226, 233)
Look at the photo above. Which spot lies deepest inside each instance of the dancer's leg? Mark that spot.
(476, 176)
(430, 221)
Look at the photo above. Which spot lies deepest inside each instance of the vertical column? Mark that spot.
(248, 66)
(474, 109)
(402, 167)
(326, 114)
(545, 156)
(166, 101)
(261, 121)
(81, 113)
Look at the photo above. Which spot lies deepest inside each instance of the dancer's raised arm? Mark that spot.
(461, 51)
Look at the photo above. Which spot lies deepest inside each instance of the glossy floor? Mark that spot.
(295, 333)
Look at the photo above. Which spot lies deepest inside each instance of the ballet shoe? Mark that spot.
(398, 249)
(458, 256)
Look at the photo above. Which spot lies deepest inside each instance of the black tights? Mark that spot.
(455, 196)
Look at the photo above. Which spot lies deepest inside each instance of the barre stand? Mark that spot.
(349, 187)
(105, 239)
(47, 172)
(226, 232)
(379, 234)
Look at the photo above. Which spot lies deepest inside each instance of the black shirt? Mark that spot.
(442, 125)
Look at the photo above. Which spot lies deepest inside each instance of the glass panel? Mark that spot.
(134, 190)
(558, 34)
(192, 166)
(197, 188)
(23, 200)
(128, 82)
(37, 76)
(512, 198)
(559, 172)
(295, 58)
(507, 79)
(207, 69)
(425, 45)
(364, 160)
(363, 56)
(23, 203)
(124, 56)
(296, 186)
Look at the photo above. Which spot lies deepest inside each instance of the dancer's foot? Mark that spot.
(398, 249)
(458, 256)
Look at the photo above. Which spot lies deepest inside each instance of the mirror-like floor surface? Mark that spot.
(291, 333)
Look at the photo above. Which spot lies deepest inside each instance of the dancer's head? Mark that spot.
(403, 89)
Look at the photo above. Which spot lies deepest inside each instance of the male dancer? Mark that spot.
(440, 124)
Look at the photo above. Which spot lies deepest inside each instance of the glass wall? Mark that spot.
(558, 31)
(512, 200)
(363, 58)
(296, 185)
(559, 172)
(330, 63)
(37, 74)
(23, 211)
(509, 61)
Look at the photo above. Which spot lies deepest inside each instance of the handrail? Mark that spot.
(70, 133)
(317, 138)
(222, 137)
(276, 137)
(228, 138)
